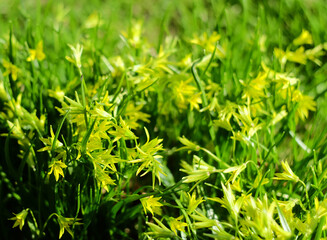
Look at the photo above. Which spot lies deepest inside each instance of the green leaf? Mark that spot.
(282, 219)
(87, 136)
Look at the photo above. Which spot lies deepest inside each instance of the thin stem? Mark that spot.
(84, 100)
(215, 157)
(188, 220)
(205, 104)
(306, 193)
(46, 222)
(34, 220)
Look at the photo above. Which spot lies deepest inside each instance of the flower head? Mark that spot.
(134, 35)
(176, 224)
(235, 170)
(150, 159)
(305, 104)
(287, 174)
(56, 167)
(229, 201)
(65, 223)
(152, 204)
(77, 54)
(93, 21)
(199, 171)
(205, 41)
(193, 202)
(103, 178)
(37, 53)
(159, 230)
(49, 142)
(10, 69)
(304, 38)
(188, 145)
(57, 94)
(20, 218)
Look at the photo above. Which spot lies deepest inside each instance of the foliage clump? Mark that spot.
(216, 131)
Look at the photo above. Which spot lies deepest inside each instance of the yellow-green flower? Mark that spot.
(229, 201)
(185, 93)
(10, 69)
(193, 202)
(77, 54)
(56, 167)
(255, 88)
(116, 66)
(207, 42)
(188, 145)
(200, 171)
(305, 104)
(201, 221)
(148, 156)
(314, 54)
(134, 115)
(134, 35)
(194, 101)
(277, 117)
(223, 123)
(159, 230)
(37, 53)
(248, 125)
(48, 142)
(93, 21)
(287, 174)
(122, 131)
(186, 61)
(235, 171)
(152, 204)
(57, 94)
(297, 56)
(176, 224)
(103, 178)
(65, 223)
(304, 38)
(20, 218)
(260, 180)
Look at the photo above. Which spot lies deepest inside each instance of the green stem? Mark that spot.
(35, 222)
(78, 203)
(118, 89)
(84, 100)
(198, 82)
(215, 157)
(205, 104)
(46, 222)
(156, 193)
(188, 220)
(306, 193)
(210, 61)
(58, 131)
(320, 227)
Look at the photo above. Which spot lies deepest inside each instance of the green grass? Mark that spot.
(167, 120)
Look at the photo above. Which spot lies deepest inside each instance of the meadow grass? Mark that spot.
(163, 120)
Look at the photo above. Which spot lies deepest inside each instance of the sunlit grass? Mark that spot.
(179, 120)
